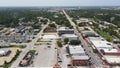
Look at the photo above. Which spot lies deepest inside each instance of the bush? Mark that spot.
(71, 27)
(22, 46)
(75, 42)
(81, 24)
(32, 51)
(52, 25)
(59, 43)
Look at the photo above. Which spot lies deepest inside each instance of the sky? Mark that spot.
(59, 2)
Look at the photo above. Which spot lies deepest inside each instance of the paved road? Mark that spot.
(29, 47)
(94, 58)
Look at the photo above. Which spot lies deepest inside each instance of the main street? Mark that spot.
(95, 59)
(29, 47)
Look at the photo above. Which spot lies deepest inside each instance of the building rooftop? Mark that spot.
(76, 50)
(82, 20)
(69, 35)
(112, 59)
(65, 28)
(82, 57)
(101, 43)
(110, 50)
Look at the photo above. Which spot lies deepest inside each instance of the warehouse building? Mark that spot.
(78, 56)
(69, 36)
(110, 52)
(65, 30)
(88, 33)
(82, 20)
(112, 60)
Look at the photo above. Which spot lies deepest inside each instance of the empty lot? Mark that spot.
(46, 56)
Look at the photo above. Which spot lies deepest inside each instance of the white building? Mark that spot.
(82, 20)
(69, 36)
(4, 52)
(76, 50)
(112, 60)
(100, 43)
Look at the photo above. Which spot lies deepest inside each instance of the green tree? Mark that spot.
(59, 43)
(66, 40)
(52, 25)
(75, 42)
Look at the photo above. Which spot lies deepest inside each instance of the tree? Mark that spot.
(81, 24)
(71, 27)
(59, 43)
(75, 42)
(52, 25)
(66, 40)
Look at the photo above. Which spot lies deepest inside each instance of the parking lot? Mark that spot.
(9, 57)
(46, 56)
(65, 58)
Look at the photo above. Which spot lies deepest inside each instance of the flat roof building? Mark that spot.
(112, 60)
(82, 20)
(65, 30)
(78, 56)
(69, 36)
(100, 43)
(110, 52)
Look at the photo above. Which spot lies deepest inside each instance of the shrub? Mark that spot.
(59, 43)
(52, 25)
(75, 42)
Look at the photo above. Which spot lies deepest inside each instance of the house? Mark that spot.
(69, 36)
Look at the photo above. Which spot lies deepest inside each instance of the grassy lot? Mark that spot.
(19, 46)
(43, 40)
(105, 35)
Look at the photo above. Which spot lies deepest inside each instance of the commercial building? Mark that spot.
(88, 33)
(4, 52)
(65, 30)
(82, 20)
(80, 60)
(112, 60)
(69, 36)
(99, 43)
(109, 54)
(78, 56)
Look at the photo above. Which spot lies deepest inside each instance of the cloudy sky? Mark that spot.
(59, 2)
